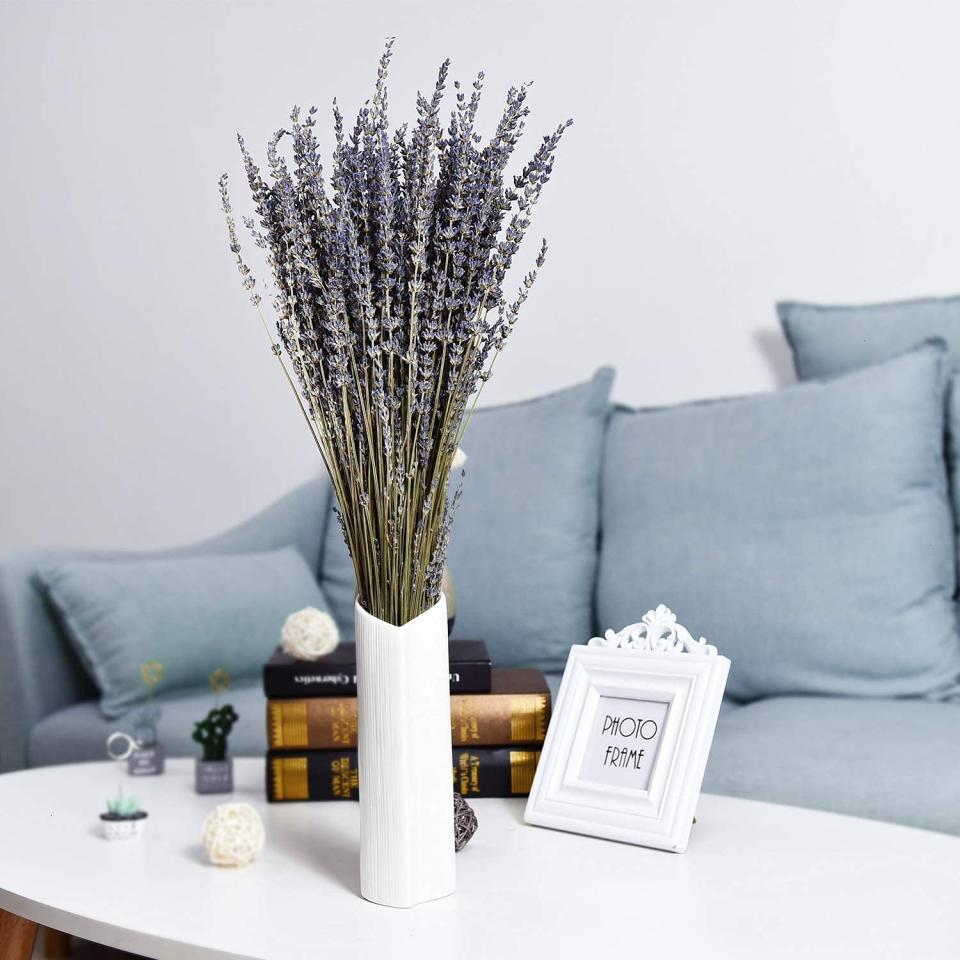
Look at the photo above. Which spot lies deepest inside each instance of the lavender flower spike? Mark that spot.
(388, 270)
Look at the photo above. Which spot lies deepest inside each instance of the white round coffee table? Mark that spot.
(759, 880)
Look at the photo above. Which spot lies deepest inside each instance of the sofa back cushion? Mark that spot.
(828, 340)
(523, 549)
(805, 532)
(193, 614)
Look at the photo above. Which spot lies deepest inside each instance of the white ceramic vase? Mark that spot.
(405, 759)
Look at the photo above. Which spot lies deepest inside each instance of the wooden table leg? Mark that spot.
(56, 945)
(17, 936)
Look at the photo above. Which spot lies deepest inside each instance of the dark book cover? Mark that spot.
(333, 775)
(516, 710)
(335, 675)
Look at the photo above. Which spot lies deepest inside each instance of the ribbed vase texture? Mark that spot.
(405, 759)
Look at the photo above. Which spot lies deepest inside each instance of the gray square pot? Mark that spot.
(146, 762)
(214, 776)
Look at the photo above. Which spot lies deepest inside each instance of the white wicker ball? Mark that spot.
(309, 634)
(233, 834)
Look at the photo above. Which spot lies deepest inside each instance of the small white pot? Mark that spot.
(122, 829)
(405, 757)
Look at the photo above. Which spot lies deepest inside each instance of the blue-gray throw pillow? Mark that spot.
(523, 549)
(828, 340)
(805, 532)
(193, 614)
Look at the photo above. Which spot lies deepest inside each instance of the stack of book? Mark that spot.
(498, 719)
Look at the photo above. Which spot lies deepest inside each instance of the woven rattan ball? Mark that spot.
(464, 822)
(233, 834)
(309, 634)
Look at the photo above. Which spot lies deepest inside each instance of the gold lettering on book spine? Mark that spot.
(523, 765)
(288, 724)
(346, 778)
(528, 718)
(343, 723)
(290, 778)
(466, 775)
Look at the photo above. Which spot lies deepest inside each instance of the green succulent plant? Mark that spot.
(123, 806)
(212, 732)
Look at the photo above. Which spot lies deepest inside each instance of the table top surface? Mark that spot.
(758, 880)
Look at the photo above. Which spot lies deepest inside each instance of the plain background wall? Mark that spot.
(724, 155)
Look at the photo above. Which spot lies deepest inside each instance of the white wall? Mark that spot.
(724, 155)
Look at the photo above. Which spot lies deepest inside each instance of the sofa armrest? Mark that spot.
(298, 518)
(38, 671)
(40, 674)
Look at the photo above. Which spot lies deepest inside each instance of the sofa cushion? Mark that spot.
(805, 532)
(896, 760)
(828, 340)
(523, 549)
(79, 732)
(193, 614)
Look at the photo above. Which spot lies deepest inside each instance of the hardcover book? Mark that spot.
(333, 775)
(516, 710)
(336, 674)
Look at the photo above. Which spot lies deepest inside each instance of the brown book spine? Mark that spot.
(476, 719)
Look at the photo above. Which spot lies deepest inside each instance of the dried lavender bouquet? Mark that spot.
(388, 289)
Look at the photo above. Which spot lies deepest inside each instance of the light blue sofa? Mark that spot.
(895, 760)
(537, 573)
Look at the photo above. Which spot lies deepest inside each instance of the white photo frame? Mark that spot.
(627, 746)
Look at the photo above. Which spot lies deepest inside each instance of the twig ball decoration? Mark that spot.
(233, 834)
(464, 822)
(309, 634)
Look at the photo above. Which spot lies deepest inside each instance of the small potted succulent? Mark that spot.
(124, 818)
(214, 771)
(148, 758)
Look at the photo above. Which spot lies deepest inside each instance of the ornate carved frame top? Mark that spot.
(657, 632)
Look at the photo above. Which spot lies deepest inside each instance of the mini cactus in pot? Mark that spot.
(214, 771)
(148, 758)
(124, 818)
